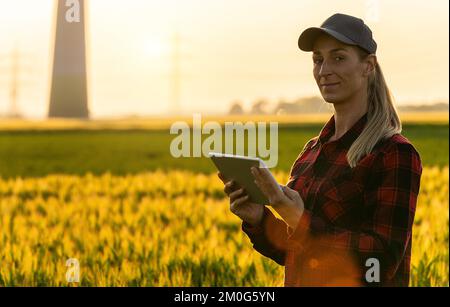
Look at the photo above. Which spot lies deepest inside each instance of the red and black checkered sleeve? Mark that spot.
(389, 209)
(268, 238)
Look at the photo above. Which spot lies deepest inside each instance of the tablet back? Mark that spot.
(237, 168)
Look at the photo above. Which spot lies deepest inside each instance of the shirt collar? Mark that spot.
(348, 138)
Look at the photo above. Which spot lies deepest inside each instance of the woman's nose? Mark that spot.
(324, 69)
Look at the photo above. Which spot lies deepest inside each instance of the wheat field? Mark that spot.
(164, 229)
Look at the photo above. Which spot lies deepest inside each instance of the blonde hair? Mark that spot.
(382, 118)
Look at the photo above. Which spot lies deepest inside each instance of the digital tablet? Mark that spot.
(238, 169)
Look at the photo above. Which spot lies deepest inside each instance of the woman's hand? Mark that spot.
(240, 205)
(286, 201)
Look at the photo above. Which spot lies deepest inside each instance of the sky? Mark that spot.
(234, 50)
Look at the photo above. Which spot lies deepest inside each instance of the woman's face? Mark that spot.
(338, 71)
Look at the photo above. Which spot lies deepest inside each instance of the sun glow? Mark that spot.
(155, 47)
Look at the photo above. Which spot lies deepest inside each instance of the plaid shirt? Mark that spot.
(356, 222)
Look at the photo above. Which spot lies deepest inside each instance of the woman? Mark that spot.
(348, 208)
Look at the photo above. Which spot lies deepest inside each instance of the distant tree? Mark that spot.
(259, 107)
(236, 108)
(286, 107)
(302, 105)
(434, 107)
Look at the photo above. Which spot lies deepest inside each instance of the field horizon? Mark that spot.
(165, 121)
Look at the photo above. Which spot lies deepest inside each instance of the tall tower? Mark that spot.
(68, 96)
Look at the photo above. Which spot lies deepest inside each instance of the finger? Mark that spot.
(236, 194)
(265, 189)
(261, 184)
(255, 173)
(265, 173)
(258, 184)
(229, 187)
(260, 181)
(238, 202)
(268, 183)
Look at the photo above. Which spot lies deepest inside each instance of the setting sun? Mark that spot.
(155, 47)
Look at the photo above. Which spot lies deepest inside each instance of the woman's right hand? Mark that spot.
(240, 205)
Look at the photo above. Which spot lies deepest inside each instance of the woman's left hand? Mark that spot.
(286, 201)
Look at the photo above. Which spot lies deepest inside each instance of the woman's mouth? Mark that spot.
(330, 85)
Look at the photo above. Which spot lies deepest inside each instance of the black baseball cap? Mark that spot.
(345, 28)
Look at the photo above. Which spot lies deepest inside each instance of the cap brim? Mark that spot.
(308, 37)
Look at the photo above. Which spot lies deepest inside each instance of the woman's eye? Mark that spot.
(337, 58)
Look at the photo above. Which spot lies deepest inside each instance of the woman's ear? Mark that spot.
(370, 63)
